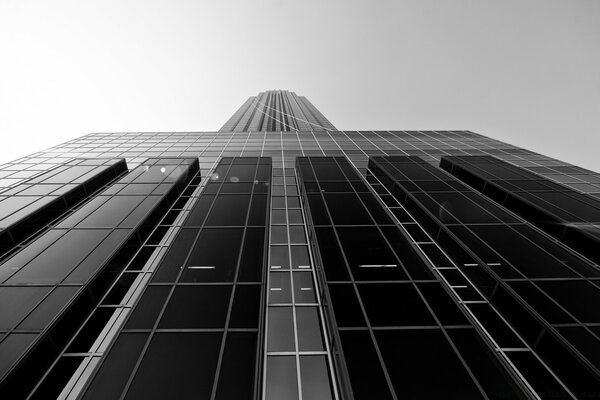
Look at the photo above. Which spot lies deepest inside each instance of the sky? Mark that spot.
(524, 72)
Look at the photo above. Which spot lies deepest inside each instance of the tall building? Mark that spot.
(277, 110)
(280, 258)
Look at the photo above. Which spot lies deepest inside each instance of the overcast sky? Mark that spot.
(525, 72)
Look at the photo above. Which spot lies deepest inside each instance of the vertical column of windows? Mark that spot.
(199, 319)
(29, 208)
(562, 212)
(381, 296)
(297, 359)
(70, 268)
(515, 267)
(237, 119)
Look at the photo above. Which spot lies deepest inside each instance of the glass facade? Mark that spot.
(280, 258)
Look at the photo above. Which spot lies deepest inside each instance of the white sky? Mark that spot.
(526, 72)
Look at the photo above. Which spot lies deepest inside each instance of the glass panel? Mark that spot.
(171, 265)
(147, 309)
(252, 262)
(297, 234)
(309, 329)
(304, 291)
(57, 261)
(300, 258)
(17, 302)
(49, 307)
(368, 254)
(11, 349)
(426, 356)
(279, 234)
(282, 378)
(280, 257)
(229, 210)
(348, 312)
(314, 374)
(280, 291)
(246, 307)
(346, 209)
(190, 376)
(208, 262)
(444, 307)
(196, 307)
(236, 377)
(333, 261)
(281, 329)
(394, 305)
(366, 372)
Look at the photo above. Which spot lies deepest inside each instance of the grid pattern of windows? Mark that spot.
(392, 313)
(203, 303)
(533, 281)
(356, 146)
(302, 366)
(277, 110)
(51, 285)
(298, 364)
(28, 208)
(562, 212)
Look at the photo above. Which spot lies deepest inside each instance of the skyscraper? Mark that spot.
(277, 110)
(280, 258)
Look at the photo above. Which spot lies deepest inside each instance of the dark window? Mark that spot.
(345, 305)
(196, 307)
(17, 302)
(366, 373)
(246, 307)
(346, 209)
(493, 378)
(173, 262)
(229, 210)
(214, 257)
(236, 377)
(173, 368)
(368, 255)
(333, 262)
(117, 367)
(537, 375)
(426, 357)
(147, 309)
(11, 349)
(251, 262)
(576, 297)
(318, 211)
(394, 305)
(258, 210)
(443, 306)
(522, 254)
(58, 260)
(48, 308)
(495, 326)
(199, 211)
(112, 212)
(239, 173)
(331, 172)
